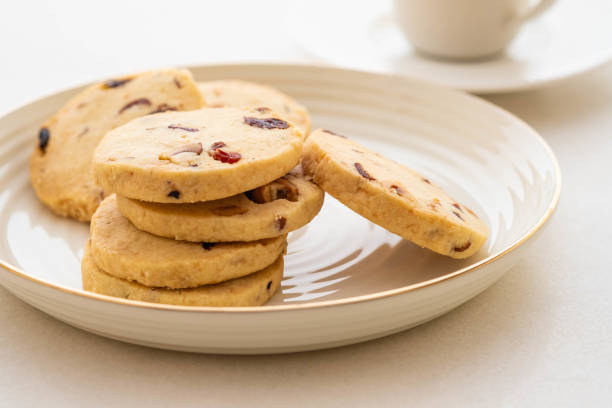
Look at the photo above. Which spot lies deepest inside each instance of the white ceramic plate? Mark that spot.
(346, 280)
(570, 38)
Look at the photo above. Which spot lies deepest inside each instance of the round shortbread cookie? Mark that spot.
(181, 157)
(392, 196)
(269, 211)
(128, 253)
(251, 290)
(60, 166)
(243, 94)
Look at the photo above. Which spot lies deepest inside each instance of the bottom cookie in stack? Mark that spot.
(252, 290)
(123, 261)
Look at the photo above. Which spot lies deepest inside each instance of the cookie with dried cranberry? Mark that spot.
(243, 94)
(251, 290)
(392, 195)
(60, 166)
(125, 252)
(274, 209)
(184, 157)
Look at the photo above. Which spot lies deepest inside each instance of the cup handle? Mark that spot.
(536, 10)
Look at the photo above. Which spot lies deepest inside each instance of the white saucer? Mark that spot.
(571, 38)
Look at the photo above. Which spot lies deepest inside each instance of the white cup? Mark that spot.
(464, 29)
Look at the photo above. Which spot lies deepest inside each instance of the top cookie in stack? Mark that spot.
(185, 157)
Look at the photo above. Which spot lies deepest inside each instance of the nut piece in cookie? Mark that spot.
(278, 189)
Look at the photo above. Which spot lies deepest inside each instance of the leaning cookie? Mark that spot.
(202, 155)
(392, 196)
(60, 166)
(268, 211)
(128, 253)
(252, 290)
(243, 94)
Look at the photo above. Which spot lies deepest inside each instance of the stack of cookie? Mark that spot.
(202, 206)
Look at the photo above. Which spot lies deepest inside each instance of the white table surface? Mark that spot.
(542, 336)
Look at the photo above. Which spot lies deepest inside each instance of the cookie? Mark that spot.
(251, 290)
(182, 157)
(128, 253)
(392, 195)
(243, 94)
(60, 166)
(269, 211)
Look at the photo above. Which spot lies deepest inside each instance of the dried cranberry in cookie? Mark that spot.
(392, 195)
(201, 155)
